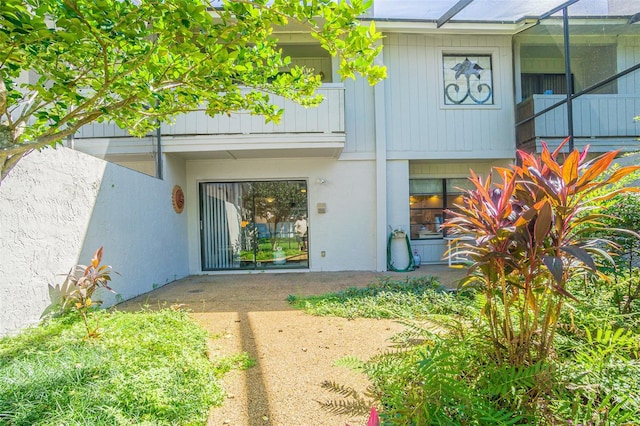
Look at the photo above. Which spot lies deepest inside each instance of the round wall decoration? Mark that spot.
(177, 198)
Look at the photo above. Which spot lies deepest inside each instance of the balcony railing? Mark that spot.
(604, 121)
(328, 117)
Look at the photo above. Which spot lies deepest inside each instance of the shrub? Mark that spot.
(530, 238)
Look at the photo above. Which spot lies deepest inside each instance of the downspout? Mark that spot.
(380, 128)
(159, 152)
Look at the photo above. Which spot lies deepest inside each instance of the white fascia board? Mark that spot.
(251, 142)
(452, 155)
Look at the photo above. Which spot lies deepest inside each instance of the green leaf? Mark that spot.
(125, 51)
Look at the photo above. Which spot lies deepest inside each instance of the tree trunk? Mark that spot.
(8, 155)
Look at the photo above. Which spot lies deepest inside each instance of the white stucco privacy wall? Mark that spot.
(58, 206)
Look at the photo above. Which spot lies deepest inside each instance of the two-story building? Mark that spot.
(469, 81)
(371, 159)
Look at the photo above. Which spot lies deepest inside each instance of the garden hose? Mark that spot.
(411, 265)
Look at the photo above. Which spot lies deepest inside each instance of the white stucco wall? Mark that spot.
(346, 232)
(58, 206)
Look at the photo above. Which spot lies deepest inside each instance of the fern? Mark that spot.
(346, 391)
(353, 403)
(351, 362)
(346, 407)
(502, 417)
(414, 334)
(507, 380)
(605, 346)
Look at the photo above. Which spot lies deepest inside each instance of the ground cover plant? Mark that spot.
(443, 371)
(411, 298)
(149, 367)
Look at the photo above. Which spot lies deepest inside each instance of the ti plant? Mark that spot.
(76, 292)
(530, 238)
(374, 419)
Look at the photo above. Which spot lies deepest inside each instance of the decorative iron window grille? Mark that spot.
(468, 79)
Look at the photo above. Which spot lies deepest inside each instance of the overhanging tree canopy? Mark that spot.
(135, 62)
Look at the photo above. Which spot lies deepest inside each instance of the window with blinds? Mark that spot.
(251, 225)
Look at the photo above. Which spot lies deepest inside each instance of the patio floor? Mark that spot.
(207, 293)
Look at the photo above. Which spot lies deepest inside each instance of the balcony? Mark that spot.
(605, 122)
(318, 131)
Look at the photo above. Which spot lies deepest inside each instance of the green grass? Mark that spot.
(145, 368)
(265, 250)
(412, 298)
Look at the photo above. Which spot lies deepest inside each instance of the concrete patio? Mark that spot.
(269, 290)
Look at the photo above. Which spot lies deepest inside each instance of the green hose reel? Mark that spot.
(411, 266)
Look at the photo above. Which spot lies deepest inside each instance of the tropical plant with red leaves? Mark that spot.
(76, 292)
(530, 234)
(374, 419)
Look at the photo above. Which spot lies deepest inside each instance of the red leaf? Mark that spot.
(549, 161)
(580, 254)
(564, 292)
(584, 153)
(554, 265)
(557, 150)
(543, 223)
(97, 258)
(374, 419)
(570, 168)
(620, 173)
(598, 166)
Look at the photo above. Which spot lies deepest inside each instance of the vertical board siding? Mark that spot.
(593, 116)
(325, 118)
(358, 117)
(629, 55)
(101, 130)
(418, 122)
(328, 117)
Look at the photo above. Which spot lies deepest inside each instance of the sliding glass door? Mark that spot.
(253, 225)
